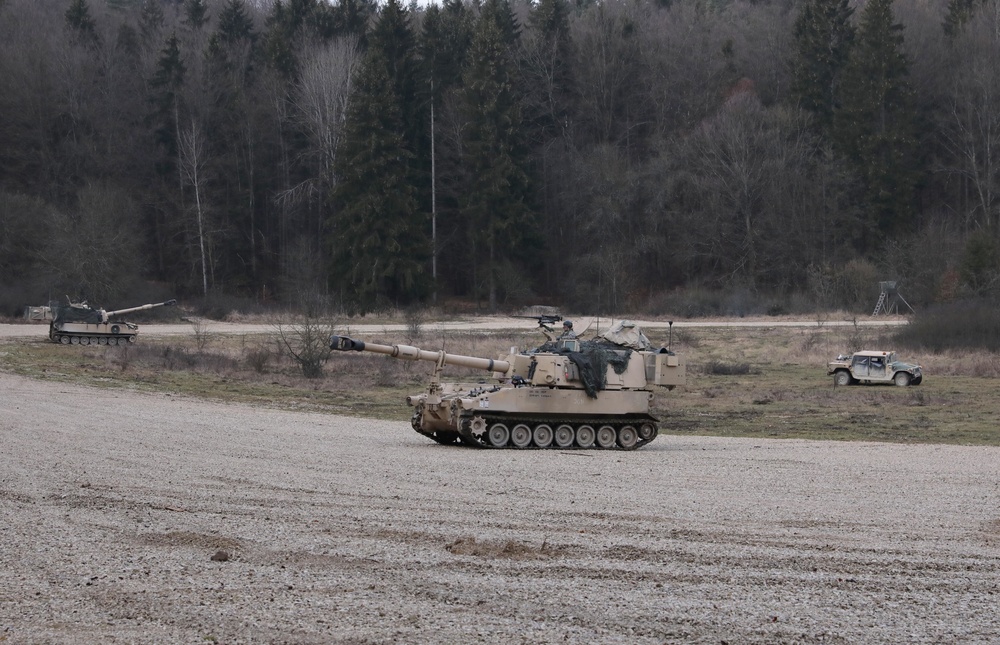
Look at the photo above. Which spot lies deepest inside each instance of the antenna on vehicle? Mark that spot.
(670, 334)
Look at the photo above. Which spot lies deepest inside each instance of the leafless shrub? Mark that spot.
(308, 344)
(258, 357)
(201, 335)
(811, 341)
(858, 338)
(414, 324)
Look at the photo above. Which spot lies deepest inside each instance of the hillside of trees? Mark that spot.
(681, 156)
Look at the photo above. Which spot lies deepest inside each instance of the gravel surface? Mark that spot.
(128, 517)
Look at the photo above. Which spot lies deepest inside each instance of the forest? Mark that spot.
(694, 157)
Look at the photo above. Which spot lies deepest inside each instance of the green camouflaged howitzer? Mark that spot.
(79, 324)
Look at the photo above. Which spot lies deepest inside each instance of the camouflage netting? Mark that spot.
(79, 313)
(593, 360)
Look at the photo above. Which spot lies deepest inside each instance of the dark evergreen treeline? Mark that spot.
(603, 155)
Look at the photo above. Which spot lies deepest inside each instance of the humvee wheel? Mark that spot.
(585, 436)
(842, 377)
(564, 436)
(542, 435)
(902, 379)
(498, 435)
(606, 437)
(520, 435)
(627, 437)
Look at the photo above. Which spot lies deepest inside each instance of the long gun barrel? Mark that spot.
(409, 353)
(117, 312)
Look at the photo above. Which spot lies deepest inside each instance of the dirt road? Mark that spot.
(496, 323)
(338, 530)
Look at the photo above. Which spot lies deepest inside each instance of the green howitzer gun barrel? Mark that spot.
(410, 353)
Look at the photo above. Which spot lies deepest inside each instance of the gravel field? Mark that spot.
(128, 517)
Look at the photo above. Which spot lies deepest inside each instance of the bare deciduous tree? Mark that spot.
(192, 152)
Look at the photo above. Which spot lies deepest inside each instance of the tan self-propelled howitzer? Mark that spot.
(79, 324)
(570, 393)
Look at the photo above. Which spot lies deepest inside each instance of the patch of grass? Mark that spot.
(721, 368)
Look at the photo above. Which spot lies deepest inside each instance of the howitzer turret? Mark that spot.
(80, 324)
(570, 393)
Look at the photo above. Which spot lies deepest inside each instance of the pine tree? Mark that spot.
(497, 189)
(501, 14)
(444, 44)
(875, 126)
(959, 13)
(150, 21)
(232, 63)
(392, 37)
(166, 85)
(195, 13)
(351, 19)
(78, 19)
(286, 25)
(549, 69)
(823, 38)
(378, 236)
(235, 23)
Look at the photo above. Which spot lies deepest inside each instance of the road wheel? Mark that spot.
(842, 377)
(542, 435)
(520, 435)
(647, 431)
(902, 379)
(564, 436)
(606, 437)
(498, 435)
(585, 436)
(627, 437)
